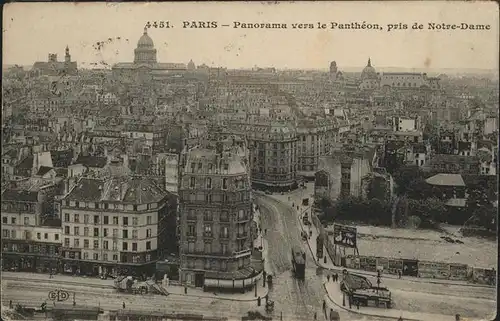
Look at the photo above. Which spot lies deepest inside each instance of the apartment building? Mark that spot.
(117, 225)
(215, 214)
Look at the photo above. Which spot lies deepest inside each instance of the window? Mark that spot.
(207, 216)
(105, 232)
(96, 205)
(13, 220)
(223, 265)
(56, 236)
(207, 264)
(86, 231)
(115, 246)
(192, 182)
(4, 220)
(105, 245)
(77, 204)
(209, 182)
(96, 256)
(39, 236)
(224, 183)
(135, 221)
(223, 247)
(148, 257)
(96, 219)
(115, 220)
(148, 245)
(5, 233)
(208, 247)
(76, 218)
(115, 232)
(106, 219)
(105, 257)
(224, 216)
(76, 230)
(207, 230)
(13, 234)
(191, 230)
(125, 221)
(76, 243)
(149, 220)
(115, 257)
(26, 221)
(148, 232)
(85, 244)
(134, 247)
(125, 234)
(134, 234)
(125, 246)
(66, 217)
(85, 255)
(66, 242)
(96, 231)
(226, 167)
(86, 219)
(190, 247)
(66, 230)
(96, 244)
(224, 232)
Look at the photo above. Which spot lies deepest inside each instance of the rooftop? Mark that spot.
(129, 190)
(446, 180)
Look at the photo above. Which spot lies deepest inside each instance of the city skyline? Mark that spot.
(246, 48)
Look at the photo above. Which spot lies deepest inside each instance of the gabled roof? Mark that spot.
(43, 170)
(446, 180)
(26, 163)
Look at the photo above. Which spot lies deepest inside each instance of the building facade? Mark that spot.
(114, 226)
(215, 214)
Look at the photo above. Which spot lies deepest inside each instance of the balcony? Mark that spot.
(242, 253)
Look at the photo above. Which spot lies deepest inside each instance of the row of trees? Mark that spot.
(373, 212)
(419, 205)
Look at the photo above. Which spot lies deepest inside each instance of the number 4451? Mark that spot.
(158, 24)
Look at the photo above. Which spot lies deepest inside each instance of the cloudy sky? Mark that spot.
(32, 30)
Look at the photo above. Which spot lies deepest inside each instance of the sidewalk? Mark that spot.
(335, 297)
(109, 283)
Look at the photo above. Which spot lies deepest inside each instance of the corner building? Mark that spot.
(115, 226)
(215, 214)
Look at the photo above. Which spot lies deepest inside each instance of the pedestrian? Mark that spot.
(10, 304)
(315, 315)
(357, 304)
(457, 317)
(324, 305)
(328, 277)
(123, 305)
(399, 274)
(336, 277)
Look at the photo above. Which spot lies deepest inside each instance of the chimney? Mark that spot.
(125, 160)
(35, 165)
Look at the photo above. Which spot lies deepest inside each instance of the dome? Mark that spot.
(145, 41)
(369, 72)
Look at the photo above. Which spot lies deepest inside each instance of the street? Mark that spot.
(33, 294)
(298, 300)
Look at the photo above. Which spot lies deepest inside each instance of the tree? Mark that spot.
(405, 175)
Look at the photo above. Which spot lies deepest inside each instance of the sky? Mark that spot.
(32, 30)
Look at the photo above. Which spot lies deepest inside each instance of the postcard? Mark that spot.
(250, 161)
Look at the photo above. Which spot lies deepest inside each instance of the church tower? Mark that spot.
(67, 56)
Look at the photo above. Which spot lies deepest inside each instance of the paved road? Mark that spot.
(298, 300)
(32, 294)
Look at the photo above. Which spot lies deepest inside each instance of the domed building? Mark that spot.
(145, 65)
(145, 51)
(369, 72)
(369, 77)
